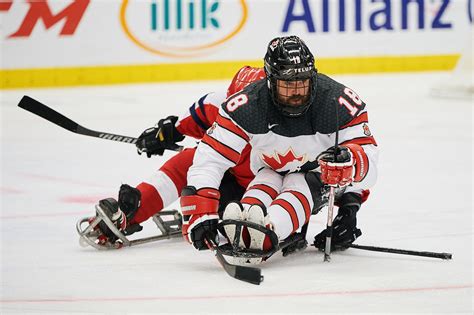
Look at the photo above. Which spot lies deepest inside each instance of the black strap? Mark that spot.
(315, 186)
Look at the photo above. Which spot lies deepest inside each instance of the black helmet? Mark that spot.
(289, 59)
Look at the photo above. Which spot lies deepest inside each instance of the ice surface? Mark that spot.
(50, 178)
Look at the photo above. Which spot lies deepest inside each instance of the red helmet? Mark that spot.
(244, 77)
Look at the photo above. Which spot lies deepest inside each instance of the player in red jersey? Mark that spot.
(137, 204)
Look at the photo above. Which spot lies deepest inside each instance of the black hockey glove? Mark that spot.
(203, 231)
(129, 200)
(345, 230)
(335, 155)
(200, 215)
(155, 140)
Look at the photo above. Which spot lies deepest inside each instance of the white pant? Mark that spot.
(287, 198)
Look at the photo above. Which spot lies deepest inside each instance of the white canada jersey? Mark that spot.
(286, 144)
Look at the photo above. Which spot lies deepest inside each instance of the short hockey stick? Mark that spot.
(332, 193)
(40, 109)
(445, 256)
(248, 274)
(327, 247)
(37, 108)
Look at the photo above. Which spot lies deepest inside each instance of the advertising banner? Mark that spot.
(88, 41)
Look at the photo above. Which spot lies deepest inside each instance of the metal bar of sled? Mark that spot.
(86, 236)
(155, 238)
(445, 256)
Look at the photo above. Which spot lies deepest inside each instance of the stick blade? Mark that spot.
(26, 102)
(445, 256)
(248, 274)
(38, 108)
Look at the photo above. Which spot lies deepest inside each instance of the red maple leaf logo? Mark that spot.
(279, 161)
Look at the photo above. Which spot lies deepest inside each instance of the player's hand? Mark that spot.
(337, 166)
(344, 233)
(345, 230)
(155, 140)
(200, 218)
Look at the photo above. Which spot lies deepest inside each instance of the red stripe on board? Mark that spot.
(238, 296)
(291, 211)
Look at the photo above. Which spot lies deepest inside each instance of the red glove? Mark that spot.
(200, 217)
(337, 166)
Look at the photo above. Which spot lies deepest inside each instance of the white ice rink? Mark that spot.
(50, 178)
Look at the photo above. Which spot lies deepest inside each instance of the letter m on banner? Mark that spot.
(39, 10)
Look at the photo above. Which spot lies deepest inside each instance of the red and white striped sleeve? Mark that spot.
(220, 149)
(201, 115)
(356, 136)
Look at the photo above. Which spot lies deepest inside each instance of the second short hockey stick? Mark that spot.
(244, 273)
(40, 109)
(445, 256)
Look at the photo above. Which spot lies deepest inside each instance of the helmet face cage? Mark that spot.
(291, 75)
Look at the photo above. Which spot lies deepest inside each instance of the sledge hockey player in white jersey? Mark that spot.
(290, 120)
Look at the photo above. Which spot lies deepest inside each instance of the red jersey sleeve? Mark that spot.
(201, 115)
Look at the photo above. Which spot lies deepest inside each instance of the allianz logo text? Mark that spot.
(361, 15)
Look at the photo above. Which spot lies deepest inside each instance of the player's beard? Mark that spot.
(296, 100)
